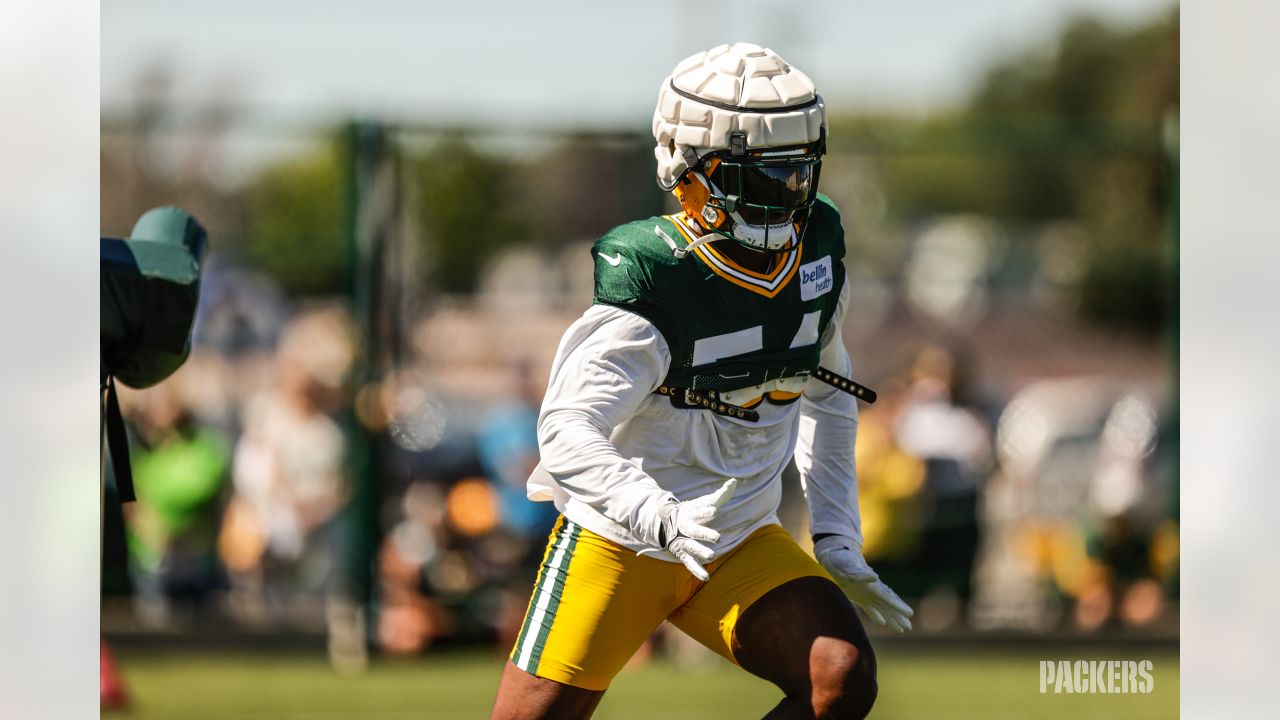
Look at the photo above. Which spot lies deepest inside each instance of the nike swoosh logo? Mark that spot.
(614, 261)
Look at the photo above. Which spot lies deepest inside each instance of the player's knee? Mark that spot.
(844, 679)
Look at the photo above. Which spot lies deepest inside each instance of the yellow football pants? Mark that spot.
(595, 602)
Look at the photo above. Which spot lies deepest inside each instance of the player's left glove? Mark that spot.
(683, 528)
(842, 557)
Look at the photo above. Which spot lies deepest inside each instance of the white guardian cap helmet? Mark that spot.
(740, 137)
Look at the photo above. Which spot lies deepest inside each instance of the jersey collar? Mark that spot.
(766, 284)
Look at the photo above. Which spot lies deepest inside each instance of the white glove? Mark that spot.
(842, 557)
(682, 524)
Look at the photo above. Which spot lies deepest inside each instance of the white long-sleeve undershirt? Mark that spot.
(824, 450)
(612, 452)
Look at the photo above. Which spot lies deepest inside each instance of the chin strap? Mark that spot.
(681, 252)
(699, 242)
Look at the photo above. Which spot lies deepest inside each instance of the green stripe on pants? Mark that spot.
(553, 603)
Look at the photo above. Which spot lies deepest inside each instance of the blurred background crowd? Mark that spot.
(344, 453)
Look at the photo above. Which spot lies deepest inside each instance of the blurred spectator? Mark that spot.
(179, 471)
(283, 537)
(1128, 502)
(889, 482)
(954, 445)
(507, 443)
(923, 458)
(241, 311)
(1121, 586)
(411, 618)
(1077, 516)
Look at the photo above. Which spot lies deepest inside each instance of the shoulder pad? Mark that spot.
(631, 263)
(825, 226)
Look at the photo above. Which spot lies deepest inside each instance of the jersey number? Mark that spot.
(741, 342)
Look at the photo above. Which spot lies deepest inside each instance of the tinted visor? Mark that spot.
(767, 194)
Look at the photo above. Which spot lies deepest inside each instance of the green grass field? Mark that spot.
(915, 682)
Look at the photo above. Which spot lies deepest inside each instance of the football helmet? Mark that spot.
(740, 137)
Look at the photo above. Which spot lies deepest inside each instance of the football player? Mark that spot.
(711, 357)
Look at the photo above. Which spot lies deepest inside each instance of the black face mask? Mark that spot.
(768, 192)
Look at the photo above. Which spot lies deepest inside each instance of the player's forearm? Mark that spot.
(825, 460)
(608, 364)
(579, 456)
(825, 445)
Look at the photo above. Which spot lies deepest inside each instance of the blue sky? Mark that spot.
(557, 61)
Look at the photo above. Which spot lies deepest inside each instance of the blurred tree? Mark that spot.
(467, 215)
(1074, 133)
(156, 152)
(293, 223)
(585, 185)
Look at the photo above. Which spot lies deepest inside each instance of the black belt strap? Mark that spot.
(710, 400)
(862, 392)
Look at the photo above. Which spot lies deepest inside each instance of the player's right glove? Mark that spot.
(842, 557)
(681, 525)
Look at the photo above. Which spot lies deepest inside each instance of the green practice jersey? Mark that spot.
(727, 327)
